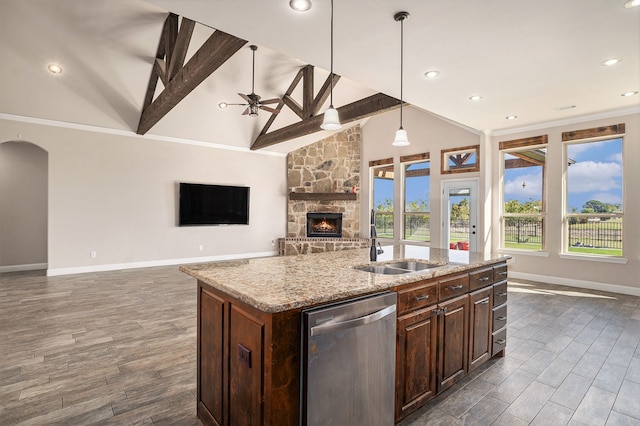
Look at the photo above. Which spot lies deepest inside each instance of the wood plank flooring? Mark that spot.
(104, 348)
(119, 348)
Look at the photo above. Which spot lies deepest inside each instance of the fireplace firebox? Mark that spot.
(327, 225)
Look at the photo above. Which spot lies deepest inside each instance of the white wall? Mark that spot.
(552, 267)
(427, 133)
(23, 206)
(116, 194)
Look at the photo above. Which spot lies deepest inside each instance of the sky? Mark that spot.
(595, 175)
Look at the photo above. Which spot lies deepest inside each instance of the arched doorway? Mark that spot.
(24, 169)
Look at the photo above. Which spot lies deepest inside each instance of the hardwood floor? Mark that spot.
(108, 348)
(120, 347)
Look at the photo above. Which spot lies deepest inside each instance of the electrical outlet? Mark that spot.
(93, 254)
(200, 247)
(273, 242)
(512, 260)
(244, 355)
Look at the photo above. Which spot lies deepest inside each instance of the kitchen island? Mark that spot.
(249, 325)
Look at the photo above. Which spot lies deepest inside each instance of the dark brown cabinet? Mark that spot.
(480, 326)
(245, 375)
(446, 328)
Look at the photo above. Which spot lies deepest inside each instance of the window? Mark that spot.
(593, 192)
(415, 215)
(523, 193)
(382, 196)
(460, 160)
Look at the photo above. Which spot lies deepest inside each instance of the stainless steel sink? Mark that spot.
(396, 268)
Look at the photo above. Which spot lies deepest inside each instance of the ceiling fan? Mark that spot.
(254, 101)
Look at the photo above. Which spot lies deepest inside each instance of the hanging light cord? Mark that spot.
(331, 74)
(253, 72)
(401, 65)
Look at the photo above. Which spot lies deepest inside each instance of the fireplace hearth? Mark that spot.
(327, 225)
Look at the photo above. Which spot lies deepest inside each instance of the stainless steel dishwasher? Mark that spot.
(348, 362)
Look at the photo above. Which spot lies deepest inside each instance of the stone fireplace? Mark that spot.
(324, 178)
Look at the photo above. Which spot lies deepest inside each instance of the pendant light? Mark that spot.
(401, 133)
(331, 120)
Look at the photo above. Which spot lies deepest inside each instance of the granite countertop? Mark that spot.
(278, 284)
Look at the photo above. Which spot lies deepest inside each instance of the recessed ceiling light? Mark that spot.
(610, 62)
(635, 92)
(511, 117)
(432, 74)
(223, 105)
(632, 3)
(54, 68)
(300, 5)
(475, 98)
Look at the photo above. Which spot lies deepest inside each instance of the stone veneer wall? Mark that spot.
(330, 165)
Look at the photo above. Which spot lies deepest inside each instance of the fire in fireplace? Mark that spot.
(324, 225)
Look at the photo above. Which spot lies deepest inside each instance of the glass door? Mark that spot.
(460, 207)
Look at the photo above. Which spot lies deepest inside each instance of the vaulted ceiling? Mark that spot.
(541, 61)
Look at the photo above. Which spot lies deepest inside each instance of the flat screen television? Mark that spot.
(202, 204)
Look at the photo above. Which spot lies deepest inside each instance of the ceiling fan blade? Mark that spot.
(272, 101)
(246, 112)
(272, 110)
(245, 97)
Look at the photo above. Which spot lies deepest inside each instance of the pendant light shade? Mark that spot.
(331, 120)
(401, 138)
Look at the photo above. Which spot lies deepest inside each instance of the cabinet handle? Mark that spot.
(483, 279)
(419, 298)
(484, 302)
(455, 287)
(503, 273)
(501, 341)
(501, 318)
(504, 293)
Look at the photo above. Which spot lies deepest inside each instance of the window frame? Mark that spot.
(406, 161)
(586, 136)
(516, 145)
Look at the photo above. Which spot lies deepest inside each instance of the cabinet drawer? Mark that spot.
(500, 272)
(499, 293)
(499, 341)
(499, 317)
(481, 278)
(417, 297)
(454, 286)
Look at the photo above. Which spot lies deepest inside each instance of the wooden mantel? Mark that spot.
(323, 196)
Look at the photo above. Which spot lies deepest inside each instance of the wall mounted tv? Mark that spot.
(202, 204)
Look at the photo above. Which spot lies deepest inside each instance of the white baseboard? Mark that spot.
(592, 285)
(152, 263)
(19, 268)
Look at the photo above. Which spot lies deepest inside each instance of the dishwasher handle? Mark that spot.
(356, 322)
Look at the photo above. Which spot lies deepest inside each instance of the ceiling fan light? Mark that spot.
(401, 138)
(253, 110)
(300, 5)
(331, 120)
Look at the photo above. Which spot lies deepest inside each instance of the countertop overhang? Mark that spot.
(278, 284)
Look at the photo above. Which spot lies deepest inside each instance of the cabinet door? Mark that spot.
(415, 360)
(453, 342)
(480, 310)
(211, 357)
(245, 367)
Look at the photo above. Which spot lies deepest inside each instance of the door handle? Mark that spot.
(356, 322)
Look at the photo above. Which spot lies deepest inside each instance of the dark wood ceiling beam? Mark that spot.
(293, 106)
(160, 67)
(218, 48)
(323, 94)
(170, 33)
(180, 47)
(367, 107)
(307, 91)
